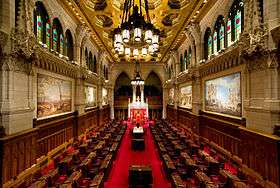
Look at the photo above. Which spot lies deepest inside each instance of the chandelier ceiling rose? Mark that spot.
(136, 37)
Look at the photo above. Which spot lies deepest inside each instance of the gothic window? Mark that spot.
(61, 44)
(207, 44)
(189, 57)
(69, 45)
(221, 37)
(86, 57)
(215, 42)
(181, 62)
(40, 22)
(236, 15)
(90, 60)
(238, 27)
(185, 60)
(55, 39)
(48, 34)
(94, 64)
(229, 32)
(39, 28)
(57, 36)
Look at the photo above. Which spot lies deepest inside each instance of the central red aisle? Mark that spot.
(119, 174)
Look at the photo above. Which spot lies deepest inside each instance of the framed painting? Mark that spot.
(54, 96)
(223, 95)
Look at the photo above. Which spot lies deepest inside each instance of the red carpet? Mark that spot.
(119, 174)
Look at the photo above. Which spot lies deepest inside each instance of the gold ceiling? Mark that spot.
(170, 16)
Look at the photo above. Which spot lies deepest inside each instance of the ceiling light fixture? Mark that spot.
(136, 36)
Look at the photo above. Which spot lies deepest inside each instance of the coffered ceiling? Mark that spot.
(170, 16)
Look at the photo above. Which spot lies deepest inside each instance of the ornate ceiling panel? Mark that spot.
(170, 16)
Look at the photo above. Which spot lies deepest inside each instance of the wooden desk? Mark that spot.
(99, 146)
(106, 163)
(97, 181)
(203, 178)
(140, 175)
(227, 174)
(114, 147)
(177, 181)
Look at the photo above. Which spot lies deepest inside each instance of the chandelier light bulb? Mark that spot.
(151, 49)
(137, 34)
(125, 35)
(117, 46)
(148, 36)
(135, 52)
(118, 38)
(127, 51)
(155, 46)
(144, 51)
(155, 39)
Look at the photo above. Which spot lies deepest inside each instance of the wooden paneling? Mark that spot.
(223, 133)
(87, 120)
(54, 133)
(261, 153)
(18, 152)
(258, 151)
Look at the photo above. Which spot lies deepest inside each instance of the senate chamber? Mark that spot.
(139, 94)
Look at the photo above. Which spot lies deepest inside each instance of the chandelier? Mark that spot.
(138, 81)
(136, 36)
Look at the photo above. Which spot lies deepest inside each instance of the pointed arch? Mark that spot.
(69, 48)
(153, 85)
(123, 85)
(57, 36)
(207, 44)
(41, 21)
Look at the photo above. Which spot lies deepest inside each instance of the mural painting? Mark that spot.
(91, 96)
(186, 97)
(54, 96)
(223, 95)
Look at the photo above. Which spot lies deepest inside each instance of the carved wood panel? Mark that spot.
(18, 153)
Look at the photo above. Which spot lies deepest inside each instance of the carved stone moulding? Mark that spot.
(220, 63)
(52, 63)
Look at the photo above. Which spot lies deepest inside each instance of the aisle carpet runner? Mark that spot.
(118, 177)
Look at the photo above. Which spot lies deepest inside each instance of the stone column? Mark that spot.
(134, 93)
(164, 102)
(142, 93)
(80, 97)
(111, 101)
(197, 98)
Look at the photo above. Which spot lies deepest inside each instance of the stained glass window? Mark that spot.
(48, 34)
(209, 46)
(61, 44)
(55, 39)
(228, 32)
(222, 37)
(215, 43)
(238, 28)
(39, 28)
(190, 56)
(185, 60)
(181, 62)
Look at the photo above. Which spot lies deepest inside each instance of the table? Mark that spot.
(140, 175)
(97, 181)
(177, 181)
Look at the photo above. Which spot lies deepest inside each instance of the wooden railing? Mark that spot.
(20, 151)
(258, 151)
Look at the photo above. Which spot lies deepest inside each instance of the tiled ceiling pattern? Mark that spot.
(170, 16)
